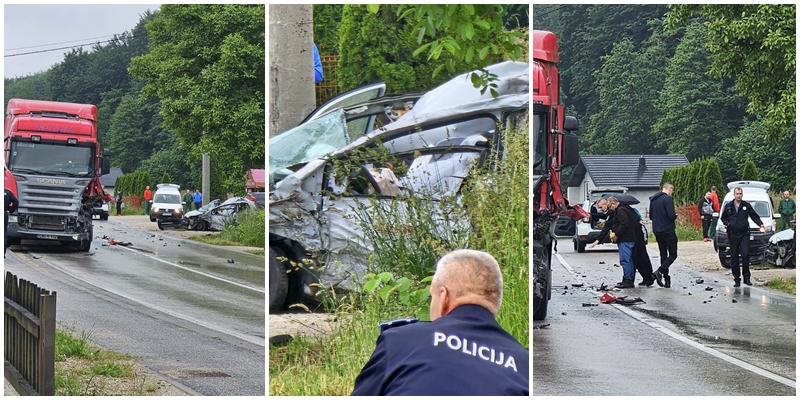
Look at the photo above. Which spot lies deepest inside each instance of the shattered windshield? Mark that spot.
(308, 141)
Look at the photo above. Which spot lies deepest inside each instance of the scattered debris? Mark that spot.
(542, 326)
(709, 288)
(230, 261)
(627, 302)
(699, 281)
(734, 301)
(565, 292)
(704, 302)
(607, 298)
(603, 287)
(161, 238)
(690, 293)
(566, 287)
(590, 304)
(602, 262)
(36, 258)
(563, 313)
(605, 323)
(577, 285)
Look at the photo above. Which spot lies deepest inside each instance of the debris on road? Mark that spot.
(734, 301)
(709, 288)
(590, 304)
(577, 285)
(607, 298)
(628, 302)
(699, 281)
(230, 261)
(542, 326)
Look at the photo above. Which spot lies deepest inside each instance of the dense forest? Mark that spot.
(640, 88)
(186, 80)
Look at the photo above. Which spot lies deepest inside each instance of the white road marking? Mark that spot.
(655, 325)
(195, 271)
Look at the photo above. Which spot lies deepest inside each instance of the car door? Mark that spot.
(355, 128)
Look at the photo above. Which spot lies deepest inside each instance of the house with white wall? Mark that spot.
(641, 174)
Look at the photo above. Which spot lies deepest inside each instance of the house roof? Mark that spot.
(110, 178)
(625, 170)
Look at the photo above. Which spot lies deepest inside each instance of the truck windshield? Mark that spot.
(51, 159)
(539, 142)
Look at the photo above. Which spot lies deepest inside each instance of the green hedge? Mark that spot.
(133, 184)
(694, 180)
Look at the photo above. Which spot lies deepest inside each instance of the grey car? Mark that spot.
(216, 217)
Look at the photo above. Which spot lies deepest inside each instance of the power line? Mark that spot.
(53, 44)
(541, 14)
(68, 47)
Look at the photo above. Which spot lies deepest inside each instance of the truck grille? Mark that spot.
(47, 222)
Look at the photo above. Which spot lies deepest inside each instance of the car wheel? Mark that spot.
(14, 241)
(723, 258)
(152, 219)
(575, 244)
(581, 246)
(160, 225)
(105, 217)
(200, 225)
(278, 282)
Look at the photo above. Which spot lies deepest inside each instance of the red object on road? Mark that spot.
(608, 298)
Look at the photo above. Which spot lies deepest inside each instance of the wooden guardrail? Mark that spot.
(30, 337)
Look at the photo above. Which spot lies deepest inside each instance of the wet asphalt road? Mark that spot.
(182, 307)
(676, 343)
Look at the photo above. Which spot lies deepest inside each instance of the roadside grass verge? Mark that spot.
(786, 285)
(495, 202)
(248, 231)
(83, 369)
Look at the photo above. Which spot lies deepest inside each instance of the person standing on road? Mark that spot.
(602, 206)
(706, 209)
(11, 207)
(662, 213)
(624, 227)
(119, 203)
(786, 209)
(187, 201)
(463, 351)
(198, 199)
(715, 202)
(639, 256)
(735, 218)
(148, 197)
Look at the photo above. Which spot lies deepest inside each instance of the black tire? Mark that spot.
(541, 312)
(278, 282)
(14, 241)
(575, 244)
(160, 225)
(105, 217)
(581, 246)
(723, 259)
(152, 219)
(200, 225)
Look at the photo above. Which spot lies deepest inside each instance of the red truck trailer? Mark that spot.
(51, 148)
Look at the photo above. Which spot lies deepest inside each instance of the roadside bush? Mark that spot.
(248, 231)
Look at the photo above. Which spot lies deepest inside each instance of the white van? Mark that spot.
(755, 193)
(167, 203)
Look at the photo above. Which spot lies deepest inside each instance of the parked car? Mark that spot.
(434, 139)
(260, 199)
(100, 209)
(214, 216)
(588, 229)
(781, 248)
(755, 193)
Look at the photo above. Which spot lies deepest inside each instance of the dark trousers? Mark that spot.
(640, 258)
(786, 221)
(5, 240)
(706, 225)
(668, 250)
(197, 205)
(740, 246)
(119, 207)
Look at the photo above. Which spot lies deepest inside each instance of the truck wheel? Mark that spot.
(723, 259)
(14, 241)
(278, 282)
(581, 246)
(541, 313)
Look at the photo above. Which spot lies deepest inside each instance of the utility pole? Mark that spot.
(206, 178)
(291, 66)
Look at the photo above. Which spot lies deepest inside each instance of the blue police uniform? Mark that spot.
(464, 353)
(736, 222)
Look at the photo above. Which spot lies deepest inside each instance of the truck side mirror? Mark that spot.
(570, 124)
(106, 152)
(571, 153)
(105, 166)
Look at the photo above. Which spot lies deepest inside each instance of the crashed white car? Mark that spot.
(434, 140)
(214, 216)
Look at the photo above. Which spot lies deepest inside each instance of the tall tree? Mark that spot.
(697, 111)
(755, 44)
(124, 139)
(206, 64)
(327, 18)
(776, 162)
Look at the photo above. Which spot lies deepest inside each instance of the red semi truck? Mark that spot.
(555, 146)
(51, 148)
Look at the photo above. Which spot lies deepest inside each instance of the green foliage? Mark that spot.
(776, 162)
(693, 181)
(165, 178)
(378, 47)
(326, 26)
(786, 285)
(206, 64)
(695, 111)
(755, 45)
(749, 171)
(248, 231)
(133, 184)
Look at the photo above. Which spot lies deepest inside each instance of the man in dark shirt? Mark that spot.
(463, 351)
(735, 217)
(663, 216)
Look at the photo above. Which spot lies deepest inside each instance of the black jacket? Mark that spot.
(662, 213)
(625, 221)
(465, 353)
(736, 221)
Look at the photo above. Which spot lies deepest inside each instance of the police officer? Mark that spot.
(11, 206)
(734, 218)
(463, 351)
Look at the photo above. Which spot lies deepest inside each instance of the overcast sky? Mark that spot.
(29, 28)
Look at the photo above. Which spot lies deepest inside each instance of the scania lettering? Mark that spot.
(555, 146)
(51, 148)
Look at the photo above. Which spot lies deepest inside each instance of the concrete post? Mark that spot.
(291, 66)
(206, 190)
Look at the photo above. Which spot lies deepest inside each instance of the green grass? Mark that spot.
(786, 285)
(249, 231)
(257, 252)
(408, 249)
